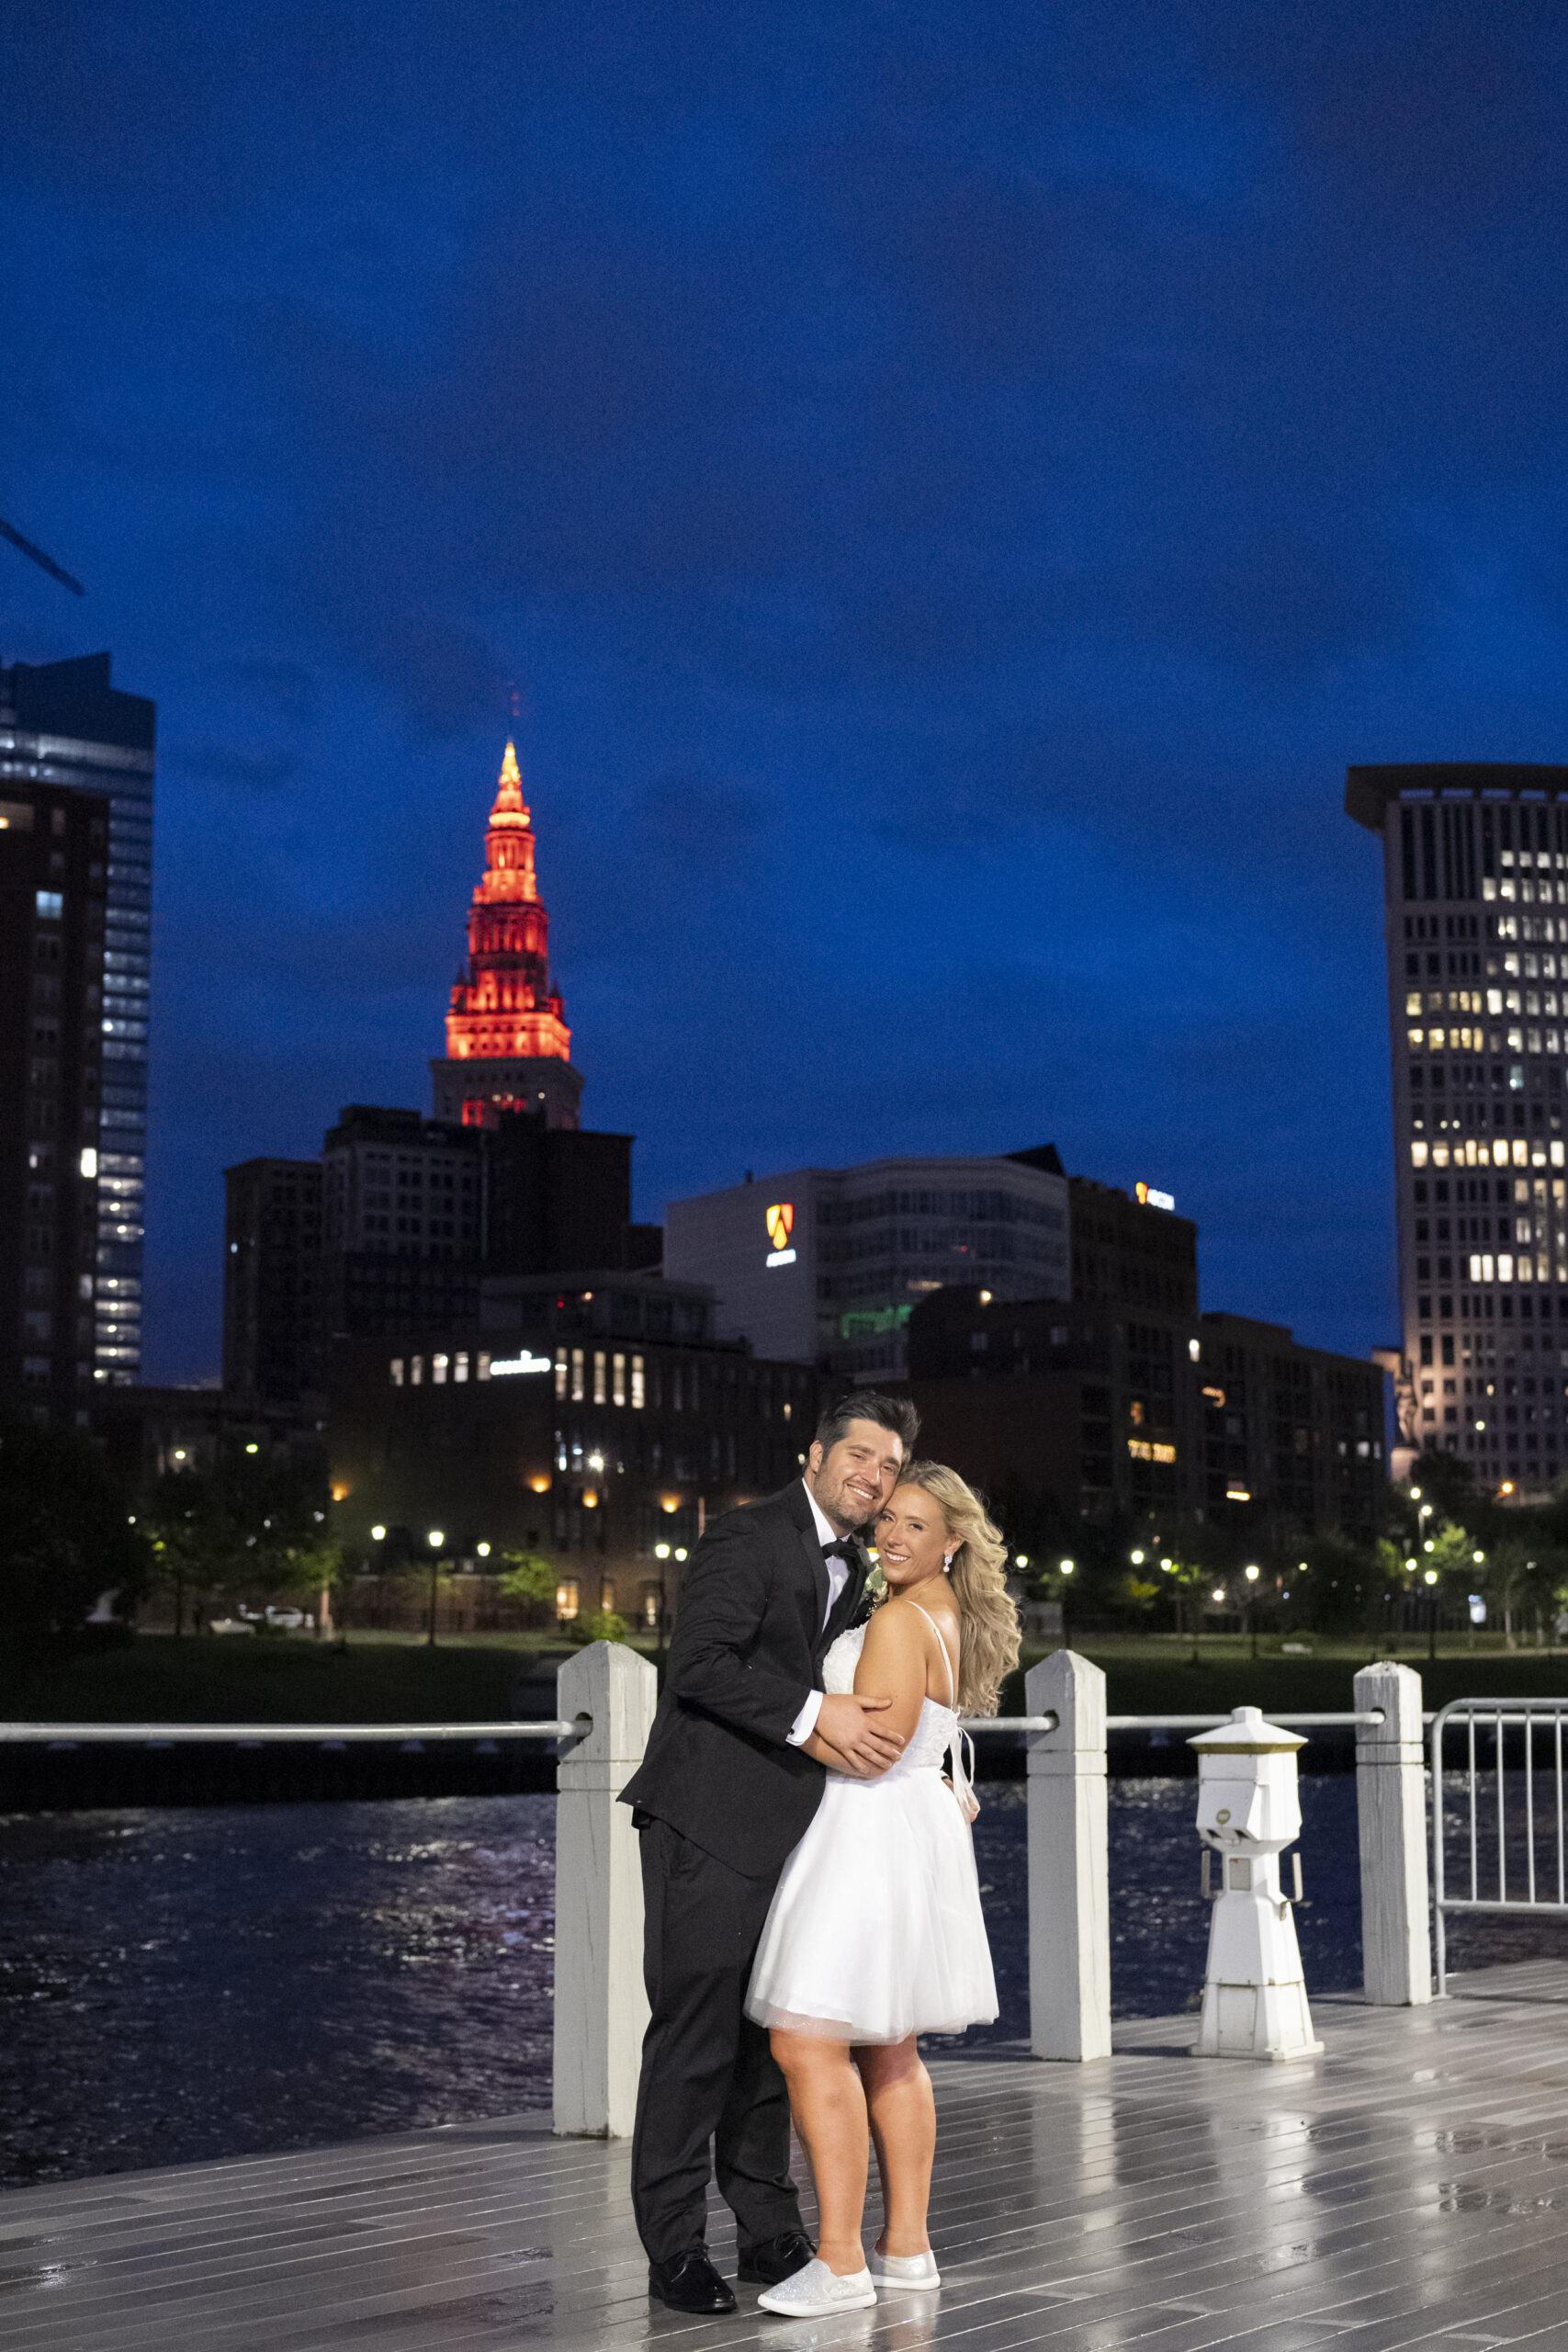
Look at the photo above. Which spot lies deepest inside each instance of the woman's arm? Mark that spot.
(893, 1663)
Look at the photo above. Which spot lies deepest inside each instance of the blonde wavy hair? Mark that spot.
(988, 1632)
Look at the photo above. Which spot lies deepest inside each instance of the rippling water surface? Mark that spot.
(177, 1984)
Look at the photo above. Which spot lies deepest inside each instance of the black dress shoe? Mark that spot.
(688, 2282)
(772, 2260)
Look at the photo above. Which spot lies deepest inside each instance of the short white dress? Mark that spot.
(875, 1930)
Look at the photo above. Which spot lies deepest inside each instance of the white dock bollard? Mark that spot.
(1255, 2003)
(1069, 1901)
(600, 2007)
(1390, 1817)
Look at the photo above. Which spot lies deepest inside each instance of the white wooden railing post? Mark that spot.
(1069, 1904)
(600, 2007)
(1391, 1813)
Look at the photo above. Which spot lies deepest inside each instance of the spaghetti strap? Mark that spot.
(946, 1658)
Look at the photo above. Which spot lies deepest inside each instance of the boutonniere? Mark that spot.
(876, 1585)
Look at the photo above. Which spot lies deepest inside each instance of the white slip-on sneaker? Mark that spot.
(915, 2273)
(815, 2291)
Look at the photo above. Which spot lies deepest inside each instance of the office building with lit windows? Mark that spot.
(1475, 885)
(64, 727)
(826, 1265)
(596, 1418)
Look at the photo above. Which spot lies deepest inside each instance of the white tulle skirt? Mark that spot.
(875, 1930)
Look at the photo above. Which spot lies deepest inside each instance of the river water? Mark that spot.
(178, 1984)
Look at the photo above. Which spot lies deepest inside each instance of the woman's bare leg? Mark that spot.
(828, 2103)
(903, 2125)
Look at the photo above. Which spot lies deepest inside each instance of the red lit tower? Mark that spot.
(508, 1048)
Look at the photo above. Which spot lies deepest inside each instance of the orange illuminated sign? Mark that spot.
(781, 1224)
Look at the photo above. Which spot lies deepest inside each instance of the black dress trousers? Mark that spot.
(708, 2075)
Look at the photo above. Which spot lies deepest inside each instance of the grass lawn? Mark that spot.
(218, 1679)
(1152, 1674)
(382, 1678)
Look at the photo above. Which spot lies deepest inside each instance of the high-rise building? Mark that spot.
(409, 1213)
(508, 1047)
(401, 1232)
(64, 726)
(1475, 888)
(273, 1280)
(53, 854)
(1131, 1253)
(825, 1265)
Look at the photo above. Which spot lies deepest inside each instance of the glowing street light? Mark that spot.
(1066, 1567)
(1251, 1575)
(1137, 1559)
(377, 1536)
(436, 1539)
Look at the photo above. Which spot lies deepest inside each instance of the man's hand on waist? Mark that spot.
(849, 1723)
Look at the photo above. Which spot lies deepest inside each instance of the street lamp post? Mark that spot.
(1251, 1575)
(436, 1541)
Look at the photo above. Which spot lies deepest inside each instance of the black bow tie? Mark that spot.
(845, 1549)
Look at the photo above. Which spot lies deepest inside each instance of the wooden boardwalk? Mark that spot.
(1410, 2188)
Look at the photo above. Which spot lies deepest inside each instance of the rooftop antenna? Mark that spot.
(44, 563)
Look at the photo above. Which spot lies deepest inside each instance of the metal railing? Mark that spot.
(1513, 1848)
(63, 1736)
(147, 1734)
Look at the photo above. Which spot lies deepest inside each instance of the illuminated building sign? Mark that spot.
(1142, 1449)
(1149, 1199)
(507, 1367)
(781, 1225)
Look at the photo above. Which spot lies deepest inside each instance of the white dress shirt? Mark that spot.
(838, 1569)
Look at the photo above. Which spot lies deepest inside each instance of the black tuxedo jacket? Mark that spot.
(747, 1651)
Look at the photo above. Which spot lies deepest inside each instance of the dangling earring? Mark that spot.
(947, 1563)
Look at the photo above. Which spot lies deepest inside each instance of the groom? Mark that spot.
(721, 1796)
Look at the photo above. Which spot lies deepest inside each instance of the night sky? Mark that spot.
(950, 487)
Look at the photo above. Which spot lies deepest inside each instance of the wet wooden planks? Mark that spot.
(1409, 2189)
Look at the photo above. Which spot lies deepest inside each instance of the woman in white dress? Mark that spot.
(875, 1934)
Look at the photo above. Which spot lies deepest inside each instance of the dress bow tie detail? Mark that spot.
(845, 1549)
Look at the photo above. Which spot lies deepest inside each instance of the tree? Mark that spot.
(66, 1542)
(528, 1578)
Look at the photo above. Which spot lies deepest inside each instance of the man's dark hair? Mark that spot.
(894, 1413)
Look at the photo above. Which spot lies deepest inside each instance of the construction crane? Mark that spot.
(44, 563)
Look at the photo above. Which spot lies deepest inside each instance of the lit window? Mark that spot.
(460, 1367)
(397, 1372)
(50, 906)
(566, 1600)
(639, 1388)
(481, 1365)
(606, 1596)
(600, 1394)
(438, 1371)
(416, 1370)
(577, 1376)
(618, 1380)
(561, 1372)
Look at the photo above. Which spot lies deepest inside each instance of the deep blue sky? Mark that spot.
(951, 485)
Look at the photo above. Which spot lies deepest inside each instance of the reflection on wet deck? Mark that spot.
(1408, 2188)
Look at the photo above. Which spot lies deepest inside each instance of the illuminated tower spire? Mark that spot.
(508, 1047)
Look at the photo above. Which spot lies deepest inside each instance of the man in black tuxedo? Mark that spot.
(723, 1793)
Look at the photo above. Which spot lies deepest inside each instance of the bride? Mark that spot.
(875, 1934)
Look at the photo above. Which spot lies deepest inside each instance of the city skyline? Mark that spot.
(951, 498)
